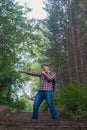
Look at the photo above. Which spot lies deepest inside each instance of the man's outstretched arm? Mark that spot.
(31, 73)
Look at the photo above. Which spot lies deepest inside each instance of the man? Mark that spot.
(45, 90)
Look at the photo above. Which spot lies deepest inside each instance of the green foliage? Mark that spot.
(43, 107)
(21, 103)
(19, 42)
(18, 104)
(74, 100)
(3, 100)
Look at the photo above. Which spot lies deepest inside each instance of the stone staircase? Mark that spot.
(23, 121)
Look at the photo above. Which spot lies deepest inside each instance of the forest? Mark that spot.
(59, 40)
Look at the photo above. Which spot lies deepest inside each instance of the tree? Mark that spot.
(18, 40)
(66, 23)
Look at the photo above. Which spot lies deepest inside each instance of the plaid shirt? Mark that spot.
(46, 80)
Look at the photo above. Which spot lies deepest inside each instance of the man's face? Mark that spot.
(45, 68)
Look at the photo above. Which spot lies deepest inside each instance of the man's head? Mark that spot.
(45, 68)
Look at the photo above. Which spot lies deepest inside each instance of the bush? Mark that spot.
(74, 100)
(3, 100)
(43, 107)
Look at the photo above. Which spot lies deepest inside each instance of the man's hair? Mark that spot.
(45, 65)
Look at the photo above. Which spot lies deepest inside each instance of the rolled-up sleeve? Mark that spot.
(51, 76)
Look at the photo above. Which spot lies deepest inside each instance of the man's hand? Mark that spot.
(22, 71)
(43, 72)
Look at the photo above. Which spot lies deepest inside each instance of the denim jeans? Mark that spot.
(40, 96)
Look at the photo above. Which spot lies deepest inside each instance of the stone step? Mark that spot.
(23, 121)
(44, 125)
(41, 128)
(26, 116)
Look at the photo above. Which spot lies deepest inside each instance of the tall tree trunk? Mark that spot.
(73, 44)
(84, 3)
(66, 46)
(82, 66)
(75, 56)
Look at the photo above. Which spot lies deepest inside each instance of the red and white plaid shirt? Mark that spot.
(46, 79)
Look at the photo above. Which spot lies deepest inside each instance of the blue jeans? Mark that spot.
(40, 96)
